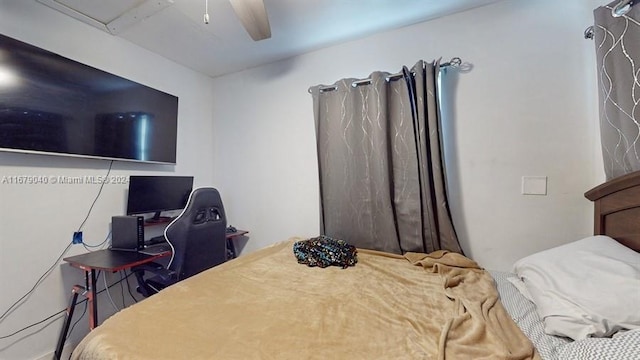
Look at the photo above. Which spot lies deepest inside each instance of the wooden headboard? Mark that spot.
(617, 209)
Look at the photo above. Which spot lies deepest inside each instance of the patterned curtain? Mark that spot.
(617, 42)
(382, 182)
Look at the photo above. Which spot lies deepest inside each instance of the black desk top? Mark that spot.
(111, 260)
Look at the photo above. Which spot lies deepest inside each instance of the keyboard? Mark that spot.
(155, 240)
(156, 249)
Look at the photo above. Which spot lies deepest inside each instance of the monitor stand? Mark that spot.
(157, 219)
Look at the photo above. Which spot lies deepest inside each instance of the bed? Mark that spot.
(266, 305)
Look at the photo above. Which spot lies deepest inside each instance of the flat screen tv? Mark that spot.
(52, 104)
(155, 194)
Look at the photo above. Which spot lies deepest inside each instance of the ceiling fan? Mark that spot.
(252, 15)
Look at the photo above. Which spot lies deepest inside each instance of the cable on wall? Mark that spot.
(38, 282)
(66, 249)
(61, 312)
(96, 198)
(89, 247)
(84, 311)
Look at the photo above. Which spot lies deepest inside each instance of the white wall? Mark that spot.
(36, 222)
(527, 107)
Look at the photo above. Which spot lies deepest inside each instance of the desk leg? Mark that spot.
(231, 249)
(91, 286)
(92, 298)
(67, 321)
(89, 292)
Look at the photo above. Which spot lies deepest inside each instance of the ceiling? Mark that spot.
(176, 30)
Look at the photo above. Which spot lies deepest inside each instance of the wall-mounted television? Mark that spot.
(55, 105)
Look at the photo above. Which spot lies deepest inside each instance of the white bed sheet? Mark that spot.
(622, 346)
(523, 312)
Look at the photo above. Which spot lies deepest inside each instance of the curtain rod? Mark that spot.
(621, 9)
(454, 62)
(589, 33)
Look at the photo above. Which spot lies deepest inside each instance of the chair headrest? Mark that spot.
(204, 205)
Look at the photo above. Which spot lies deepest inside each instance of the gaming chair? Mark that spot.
(198, 239)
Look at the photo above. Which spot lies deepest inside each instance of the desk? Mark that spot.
(231, 248)
(106, 260)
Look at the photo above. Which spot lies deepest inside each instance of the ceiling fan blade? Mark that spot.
(253, 16)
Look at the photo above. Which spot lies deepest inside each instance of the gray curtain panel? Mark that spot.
(382, 181)
(617, 41)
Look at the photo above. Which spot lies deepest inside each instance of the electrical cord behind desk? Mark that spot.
(90, 263)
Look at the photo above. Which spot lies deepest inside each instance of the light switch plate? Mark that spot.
(534, 185)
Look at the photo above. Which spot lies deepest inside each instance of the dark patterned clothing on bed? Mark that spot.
(324, 251)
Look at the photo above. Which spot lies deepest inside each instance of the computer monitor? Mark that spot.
(155, 194)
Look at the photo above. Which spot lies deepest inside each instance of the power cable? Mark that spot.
(84, 311)
(129, 286)
(89, 247)
(106, 287)
(32, 325)
(61, 311)
(19, 301)
(97, 196)
(46, 273)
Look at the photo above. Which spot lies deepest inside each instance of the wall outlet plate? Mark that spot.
(534, 185)
(77, 237)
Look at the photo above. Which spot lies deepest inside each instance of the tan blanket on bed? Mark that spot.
(267, 306)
